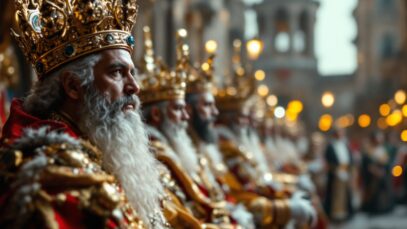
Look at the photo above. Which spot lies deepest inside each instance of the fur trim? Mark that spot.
(34, 138)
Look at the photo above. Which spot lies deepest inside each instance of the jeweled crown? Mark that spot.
(159, 83)
(55, 32)
(237, 89)
(200, 79)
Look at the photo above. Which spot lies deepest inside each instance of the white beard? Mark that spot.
(252, 144)
(271, 151)
(181, 143)
(212, 152)
(258, 151)
(122, 139)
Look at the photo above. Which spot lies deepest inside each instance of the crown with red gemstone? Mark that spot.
(54, 32)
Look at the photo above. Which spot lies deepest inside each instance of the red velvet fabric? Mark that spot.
(20, 120)
(69, 214)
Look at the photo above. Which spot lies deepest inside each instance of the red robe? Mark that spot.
(19, 120)
(70, 214)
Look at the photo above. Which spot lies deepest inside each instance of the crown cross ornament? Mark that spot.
(160, 83)
(54, 32)
(239, 87)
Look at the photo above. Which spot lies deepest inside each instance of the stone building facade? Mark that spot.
(287, 29)
(381, 43)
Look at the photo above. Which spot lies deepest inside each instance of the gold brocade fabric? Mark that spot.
(188, 196)
(267, 212)
(57, 180)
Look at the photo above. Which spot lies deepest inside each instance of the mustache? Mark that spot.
(117, 105)
(98, 105)
(125, 100)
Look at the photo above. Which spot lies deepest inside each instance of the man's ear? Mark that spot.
(156, 115)
(71, 85)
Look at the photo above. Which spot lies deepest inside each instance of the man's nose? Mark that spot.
(185, 115)
(131, 86)
(215, 111)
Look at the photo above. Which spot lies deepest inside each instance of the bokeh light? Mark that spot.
(259, 75)
(328, 99)
(325, 122)
(400, 97)
(384, 109)
(364, 120)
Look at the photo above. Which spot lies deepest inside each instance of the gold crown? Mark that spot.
(158, 82)
(237, 90)
(55, 32)
(200, 79)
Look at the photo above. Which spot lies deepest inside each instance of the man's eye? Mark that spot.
(116, 72)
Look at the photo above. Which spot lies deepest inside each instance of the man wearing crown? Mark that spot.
(242, 162)
(243, 158)
(74, 152)
(164, 109)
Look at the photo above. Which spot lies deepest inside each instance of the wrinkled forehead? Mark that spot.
(207, 97)
(177, 102)
(121, 56)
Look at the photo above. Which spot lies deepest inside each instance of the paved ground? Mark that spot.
(397, 219)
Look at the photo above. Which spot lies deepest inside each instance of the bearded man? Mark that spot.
(164, 110)
(203, 111)
(242, 158)
(75, 153)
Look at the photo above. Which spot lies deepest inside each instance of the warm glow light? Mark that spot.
(403, 135)
(10, 70)
(263, 90)
(328, 99)
(205, 66)
(384, 109)
(364, 120)
(295, 106)
(400, 97)
(259, 75)
(231, 91)
(291, 116)
(404, 110)
(345, 121)
(397, 171)
(214, 91)
(272, 100)
(254, 48)
(394, 118)
(211, 46)
(183, 33)
(381, 123)
(279, 112)
(325, 122)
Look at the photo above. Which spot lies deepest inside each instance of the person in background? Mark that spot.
(338, 195)
(376, 166)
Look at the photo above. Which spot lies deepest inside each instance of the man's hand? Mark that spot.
(302, 210)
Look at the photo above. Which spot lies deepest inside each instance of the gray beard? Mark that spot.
(181, 143)
(183, 147)
(122, 138)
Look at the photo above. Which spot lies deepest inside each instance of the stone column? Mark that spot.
(293, 18)
(160, 31)
(310, 32)
(218, 30)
